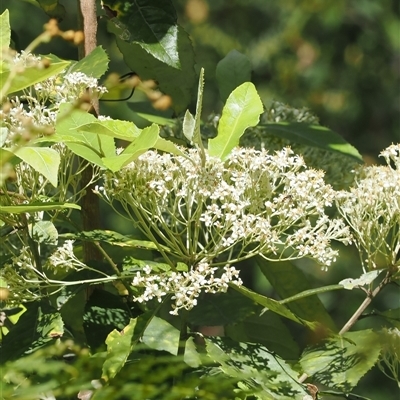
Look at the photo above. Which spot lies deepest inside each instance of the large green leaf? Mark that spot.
(43, 160)
(288, 281)
(242, 110)
(313, 135)
(268, 330)
(146, 140)
(177, 83)
(95, 64)
(233, 70)
(44, 232)
(32, 75)
(152, 24)
(36, 207)
(262, 371)
(340, 362)
(37, 326)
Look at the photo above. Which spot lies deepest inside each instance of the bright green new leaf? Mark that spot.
(188, 125)
(340, 362)
(94, 64)
(233, 70)
(151, 24)
(168, 147)
(288, 280)
(314, 136)
(30, 208)
(5, 31)
(146, 140)
(124, 130)
(32, 75)
(242, 110)
(43, 160)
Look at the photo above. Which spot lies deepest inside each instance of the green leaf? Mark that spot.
(288, 281)
(221, 309)
(233, 70)
(188, 125)
(148, 67)
(313, 135)
(161, 335)
(145, 110)
(43, 160)
(168, 147)
(95, 64)
(134, 264)
(112, 238)
(32, 75)
(364, 279)
(120, 345)
(5, 31)
(124, 130)
(151, 24)
(36, 207)
(242, 110)
(146, 140)
(37, 326)
(340, 362)
(52, 8)
(45, 232)
(268, 330)
(263, 371)
(273, 305)
(88, 145)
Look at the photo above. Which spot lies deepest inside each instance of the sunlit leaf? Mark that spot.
(36, 207)
(43, 160)
(95, 64)
(340, 362)
(44, 232)
(124, 130)
(242, 110)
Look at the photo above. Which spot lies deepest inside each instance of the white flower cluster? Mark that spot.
(222, 212)
(372, 210)
(64, 258)
(185, 287)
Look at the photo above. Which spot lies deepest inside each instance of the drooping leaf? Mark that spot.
(32, 75)
(262, 371)
(152, 24)
(313, 135)
(364, 279)
(161, 335)
(112, 238)
(146, 140)
(340, 362)
(274, 306)
(148, 67)
(242, 110)
(168, 147)
(120, 344)
(43, 160)
(288, 280)
(52, 8)
(233, 70)
(95, 64)
(268, 330)
(39, 325)
(36, 207)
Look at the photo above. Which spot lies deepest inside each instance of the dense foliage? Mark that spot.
(167, 309)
